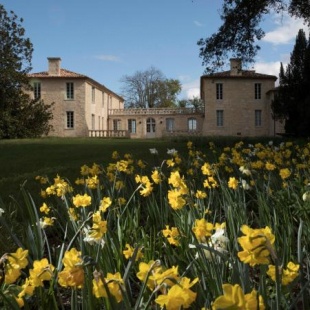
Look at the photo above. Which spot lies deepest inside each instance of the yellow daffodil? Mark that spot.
(73, 273)
(105, 204)
(256, 244)
(130, 250)
(234, 298)
(233, 183)
(42, 271)
(202, 230)
(287, 275)
(82, 200)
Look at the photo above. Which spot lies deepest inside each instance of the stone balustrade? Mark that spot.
(108, 133)
(155, 111)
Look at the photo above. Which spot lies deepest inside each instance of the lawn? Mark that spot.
(23, 160)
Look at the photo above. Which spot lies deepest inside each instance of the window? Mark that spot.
(93, 93)
(93, 122)
(219, 118)
(258, 90)
(116, 124)
(102, 104)
(70, 119)
(169, 124)
(132, 125)
(70, 91)
(192, 124)
(219, 91)
(258, 118)
(37, 90)
(150, 125)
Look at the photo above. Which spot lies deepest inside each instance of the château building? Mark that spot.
(237, 102)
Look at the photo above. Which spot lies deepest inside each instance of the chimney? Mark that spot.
(54, 66)
(235, 66)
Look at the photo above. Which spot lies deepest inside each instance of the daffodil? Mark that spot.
(234, 298)
(287, 275)
(82, 200)
(105, 204)
(73, 273)
(172, 234)
(233, 183)
(256, 244)
(42, 271)
(130, 251)
(202, 230)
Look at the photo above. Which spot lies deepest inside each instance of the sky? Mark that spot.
(109, 39)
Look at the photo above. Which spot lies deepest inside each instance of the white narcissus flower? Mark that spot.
(306, 196)
(171, 151)
(90, 239)
(153, 151)
(245, 170)
(1, 211)
(245, 184)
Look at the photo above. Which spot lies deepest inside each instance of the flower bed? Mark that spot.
(231, 233)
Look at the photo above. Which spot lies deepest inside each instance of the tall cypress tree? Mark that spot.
(292, 99)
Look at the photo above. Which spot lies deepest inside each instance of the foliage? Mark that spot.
(240, 30)
(292, 100)
(20, 116)
(150, 89)
(195, 103)
(188, 233)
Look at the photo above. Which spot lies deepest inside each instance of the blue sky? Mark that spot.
(106, 40)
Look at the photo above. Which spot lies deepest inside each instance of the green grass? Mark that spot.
(23, 160)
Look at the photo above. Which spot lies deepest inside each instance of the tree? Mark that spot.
(20, 116)
(292, 101)
(240, 29)
(149, 89)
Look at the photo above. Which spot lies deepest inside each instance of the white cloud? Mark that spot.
(285, 31)
(109, 58)
(191, 89)
(272, 68)
(198, 24)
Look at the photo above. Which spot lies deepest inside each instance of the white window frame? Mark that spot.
(93, 94)
(258, 118)
(219, 118)
(116, 124)
(169, 124)
(70, 120)
(37, 90)
(219, 91)
(192, 124)
(132, 125)
(258, 91)
(69, 90)
(150, 125)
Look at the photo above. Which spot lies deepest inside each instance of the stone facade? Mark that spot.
(237, 103)
(80, 103)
